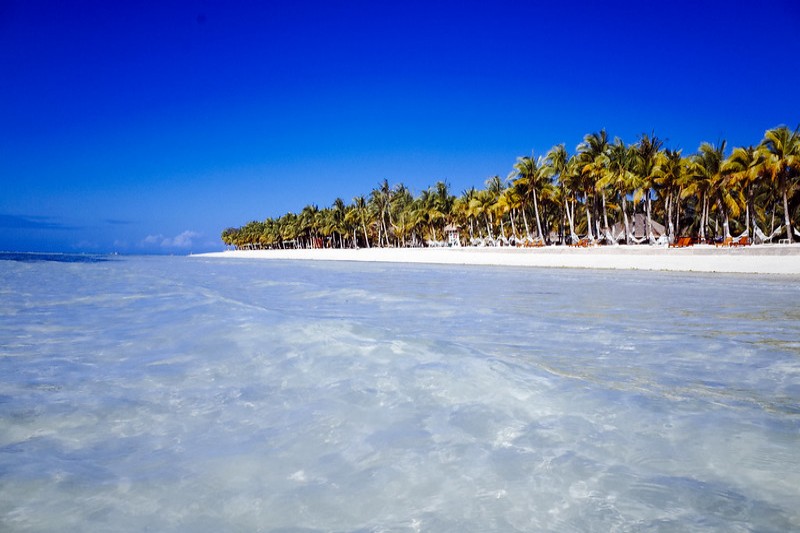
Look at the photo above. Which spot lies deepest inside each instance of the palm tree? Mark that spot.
(443, 201)
(708, 164)
(352, 225)
(229, 236)
(494, 190)
(747, 169)
(483, 204)
(531, 176)
(783, 164)
(495, 187)
(518, 194)
(380, 200)
(462, 209)
(619, 178)
(557, 161)
(249, 235)
(337, 214)
(429, 211)
(697, 186)
(593, 159)
(290, 229)
(361, 213)
(417, 221)
(507, 204)
(400, 206)
(310, 224)
(669, 171)
(646, 149)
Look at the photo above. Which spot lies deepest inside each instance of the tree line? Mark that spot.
(594, 193)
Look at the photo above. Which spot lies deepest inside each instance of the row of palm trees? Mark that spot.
(594, 194)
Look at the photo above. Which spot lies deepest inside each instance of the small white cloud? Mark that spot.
(183, 240)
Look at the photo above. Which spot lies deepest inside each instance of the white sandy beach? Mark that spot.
(764, 259)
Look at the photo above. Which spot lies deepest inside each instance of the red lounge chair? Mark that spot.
(682, 242)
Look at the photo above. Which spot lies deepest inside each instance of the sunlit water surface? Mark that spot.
(188, 394)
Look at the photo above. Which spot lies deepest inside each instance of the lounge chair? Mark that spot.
(582, 243)
(682, 242)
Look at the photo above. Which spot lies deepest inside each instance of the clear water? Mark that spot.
(188, 394)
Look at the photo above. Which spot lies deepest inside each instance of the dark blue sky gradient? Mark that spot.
(142, 127)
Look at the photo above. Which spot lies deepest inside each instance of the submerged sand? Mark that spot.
(763, 259)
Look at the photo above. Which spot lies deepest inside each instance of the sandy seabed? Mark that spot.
(759, 259)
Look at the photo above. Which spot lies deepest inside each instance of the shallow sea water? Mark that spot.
(189, 394)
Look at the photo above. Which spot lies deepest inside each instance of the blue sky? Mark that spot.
(149, 127)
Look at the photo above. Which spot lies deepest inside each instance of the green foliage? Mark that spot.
(584, 193)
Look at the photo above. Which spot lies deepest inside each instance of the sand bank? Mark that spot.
(765, 259)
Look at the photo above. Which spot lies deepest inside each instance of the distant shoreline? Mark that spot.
(762, 259)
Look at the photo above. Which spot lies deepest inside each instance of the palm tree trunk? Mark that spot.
(589, 220)
(569, 214)
(605, 213)
(389, 216)
(747, 214)
(789, 229)
(513, 226)
(772, 219)
(703, 220)
(725, 220)
(671, 230)
(563, 216)
(525, 220)
(596, 213)
(627, 221)
(536, 211)
(364, 227)
(649, 219)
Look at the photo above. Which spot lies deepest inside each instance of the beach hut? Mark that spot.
(451, 230)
